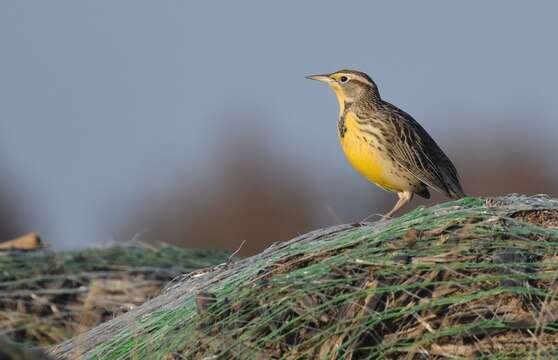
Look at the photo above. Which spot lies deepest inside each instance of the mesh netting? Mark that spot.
(474, 277)
(47, 297)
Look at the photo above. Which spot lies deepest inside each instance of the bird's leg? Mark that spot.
(404, 198)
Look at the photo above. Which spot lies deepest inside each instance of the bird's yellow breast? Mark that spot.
(365, 155)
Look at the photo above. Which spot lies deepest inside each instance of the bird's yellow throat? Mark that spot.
(340, 98)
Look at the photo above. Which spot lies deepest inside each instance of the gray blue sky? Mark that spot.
(106, 102)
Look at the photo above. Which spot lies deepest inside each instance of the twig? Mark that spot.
(235, 252)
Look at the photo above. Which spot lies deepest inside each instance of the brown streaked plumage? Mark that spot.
(385, 144)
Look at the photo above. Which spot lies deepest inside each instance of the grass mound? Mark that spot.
(47, 297)
(473, 277)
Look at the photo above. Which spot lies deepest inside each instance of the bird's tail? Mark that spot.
(457, 194)
(454, 189)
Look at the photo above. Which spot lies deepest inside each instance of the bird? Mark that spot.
(387, 145)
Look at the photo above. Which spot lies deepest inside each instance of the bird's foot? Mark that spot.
(386, 217)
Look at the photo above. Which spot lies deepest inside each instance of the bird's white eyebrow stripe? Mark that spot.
(356, 76)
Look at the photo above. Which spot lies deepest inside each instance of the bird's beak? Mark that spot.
(323, 78)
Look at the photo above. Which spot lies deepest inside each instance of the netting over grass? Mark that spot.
(473, 277)
(47, 297)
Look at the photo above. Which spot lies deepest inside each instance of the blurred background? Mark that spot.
(192, 123)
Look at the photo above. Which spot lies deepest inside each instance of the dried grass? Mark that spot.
(48, 297)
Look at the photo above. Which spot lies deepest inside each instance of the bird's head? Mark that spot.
(349, 85)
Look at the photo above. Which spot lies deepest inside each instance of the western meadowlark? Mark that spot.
(385, 144)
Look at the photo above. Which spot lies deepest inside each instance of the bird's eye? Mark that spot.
(343, 79)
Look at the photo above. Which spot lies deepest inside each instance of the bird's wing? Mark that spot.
(418, 153)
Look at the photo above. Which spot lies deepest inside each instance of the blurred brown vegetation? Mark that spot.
(9, 227)
(492, 164)
(256, 197)
(11, 217)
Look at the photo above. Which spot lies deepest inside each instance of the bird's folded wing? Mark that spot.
(418, 153)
